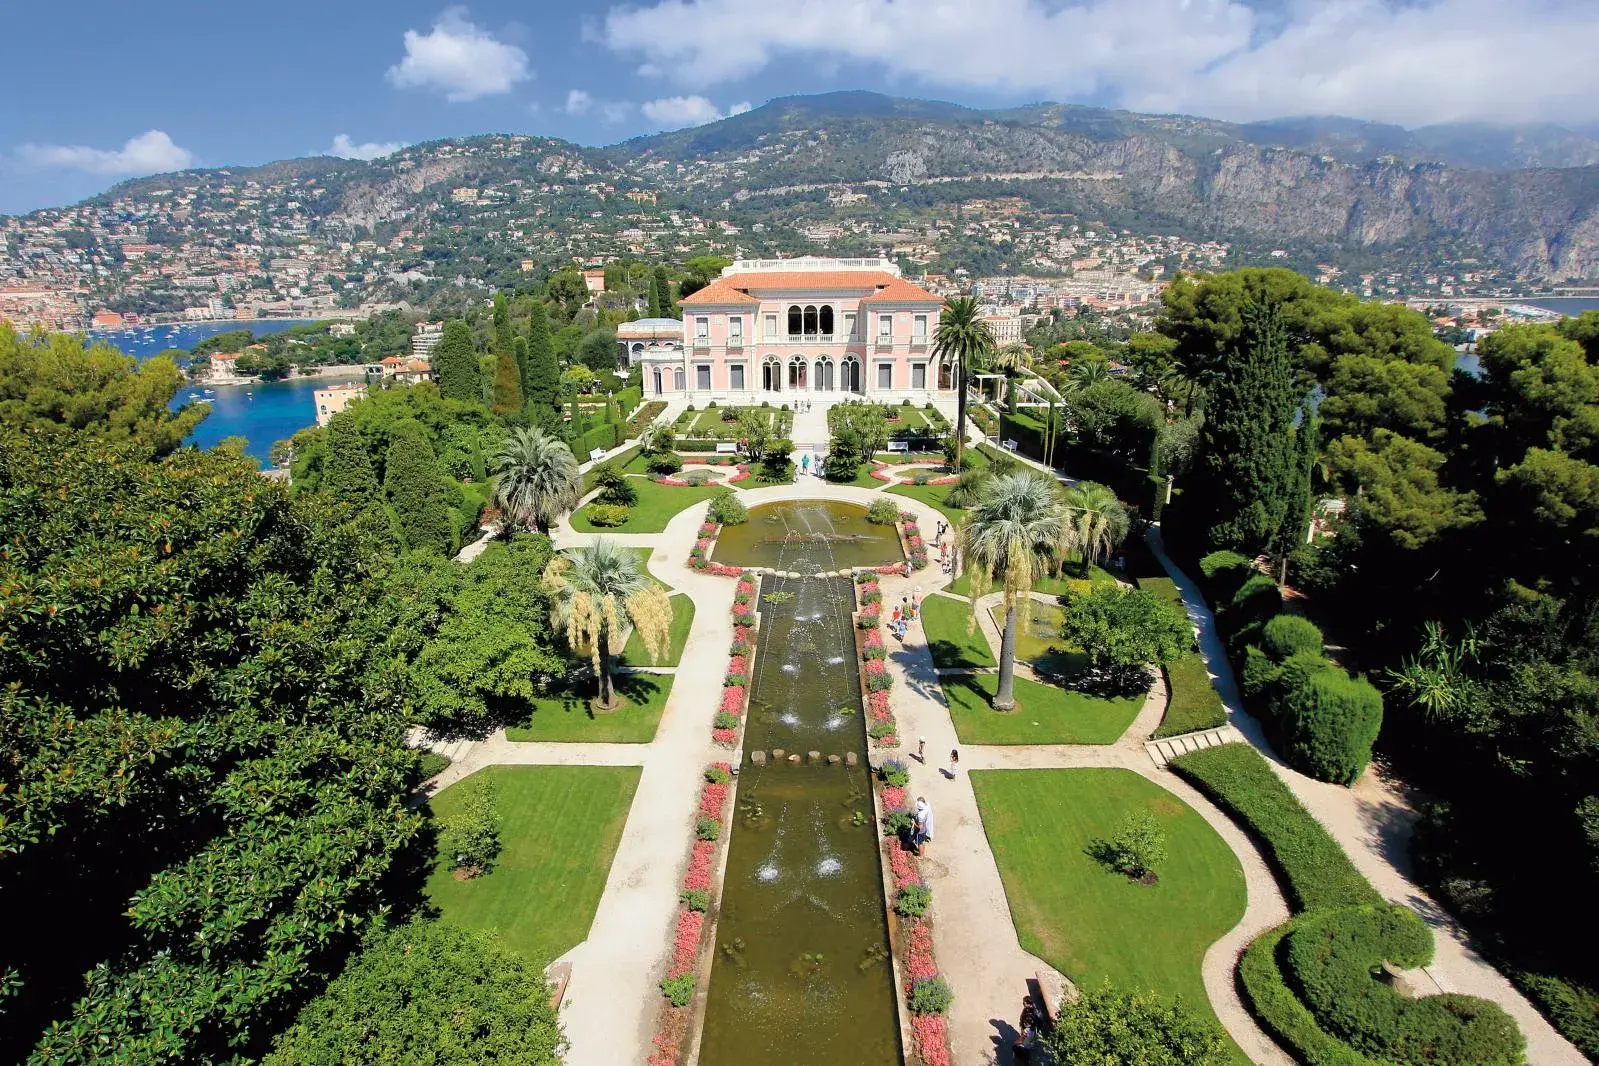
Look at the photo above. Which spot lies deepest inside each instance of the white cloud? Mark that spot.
(1425, 61)
(345, 148)
(675, 112)
(463, 60)
(614, 111)
(578, 102)
(150, 152)
(739, 108)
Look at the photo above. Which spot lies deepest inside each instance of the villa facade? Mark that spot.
(807, 328)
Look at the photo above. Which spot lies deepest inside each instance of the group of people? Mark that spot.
(905, 613)
(944, 540)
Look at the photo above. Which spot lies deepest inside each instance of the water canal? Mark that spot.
(801, 974)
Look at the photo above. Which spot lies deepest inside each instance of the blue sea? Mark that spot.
(261, 414)
(1565, 305)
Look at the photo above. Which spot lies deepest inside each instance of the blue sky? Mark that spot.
(103, 90)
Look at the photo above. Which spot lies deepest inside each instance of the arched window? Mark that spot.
(827, 321)
(849, 374)
(772, 374)
(657, 376)
(794, 326)
(810, 320)
(823, 381)
(677, 380)
(638, 347)
(796, 372)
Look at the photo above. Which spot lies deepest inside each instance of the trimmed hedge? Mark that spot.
(1314, 870)
(1222, 573)
(1281, 1013)
(1288, 634)
(1195, 704)
(628, 399)
(605, 437)
(1330, 723)
(1330, 958)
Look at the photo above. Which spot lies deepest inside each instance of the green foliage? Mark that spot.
(1289, 634)
(1331, 722)
(1224, 572)
(898, 822)
(455, 358)
(1283, 1014)
(607, 515)
(1314, 870)
(707, 828)
(205, 770)
(1112, 1027)
(1113, 416)
(462, 994)
(56, 379)
(347, 474)
(613, 485)
(598, 350)
(1123, 631)
(679, 990)
(727, 509)
(541, 389)
(913, 900)
(665, 463)
(469, 838)
(419, 492)
(1138, 846)
(930, 995)
(507, 385)
(883, 512)
(895, 773)
(1257, 600)
(536, 480)
(717, 776)
(695, 899)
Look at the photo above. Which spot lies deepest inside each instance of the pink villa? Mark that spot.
(809, 328)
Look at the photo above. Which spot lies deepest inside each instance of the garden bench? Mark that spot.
(899, 446)
(1010, 445)
(726, 447)
(596, 454)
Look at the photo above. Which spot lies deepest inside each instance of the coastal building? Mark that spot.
(633, 337)
(106, 320)
(813, 327)
(335, 398)
(224, 366)
(425, 337)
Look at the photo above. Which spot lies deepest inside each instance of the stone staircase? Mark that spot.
(1166, 749)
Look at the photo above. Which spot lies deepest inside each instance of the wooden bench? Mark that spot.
(726, 447)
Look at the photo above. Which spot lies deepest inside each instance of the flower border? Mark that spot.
(741, 658)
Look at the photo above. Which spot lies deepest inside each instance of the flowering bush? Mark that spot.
(870, 592)
(913, 542)
(699, 865)
(712, 799)
(919, 962)
(743, 594)
(733, 699)
(708, 530)
(893, 796)
(872, 648)
(918, 560)
(878, 682)
(864, 577)
(902, 866)
(741, 610)
(908, 517)
(892, 568)
(686, 944)
(868, 618)
(740, 646)
(889, 740)
(743, 473)
(724, 736)
(877, 705)
(722, 570)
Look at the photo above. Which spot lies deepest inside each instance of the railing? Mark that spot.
(813, 338)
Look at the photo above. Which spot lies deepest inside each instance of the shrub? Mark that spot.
(1223, 572)
(717, 776)
(665, 463)
(613, 485)
(1331, 722)
(707, 828)
(882, 512)
(898, 821)
(1257, 600)
(724, 720)
(913, 900)
(696, 899)
(608, 515)
(1314, 869)
(1113, 1026)
(1288, 634)
(881, 730)
(930, 995)
(679, 990)
(728, 510)
(470, 837)
(1331, 957)
(1283, 1014)
(894, 773)
(1138, 846)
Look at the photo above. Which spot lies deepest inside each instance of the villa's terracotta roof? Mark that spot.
(878, 284)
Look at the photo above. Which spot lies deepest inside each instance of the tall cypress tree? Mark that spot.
(519, 350)
(502, 324)
(507, 386)
(542, 391)
(417, 490)
(660, 294)
(347, 476)
(1301, 503)
(455, 358)
(1248, 478)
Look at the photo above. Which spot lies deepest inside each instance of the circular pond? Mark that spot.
(808, 537)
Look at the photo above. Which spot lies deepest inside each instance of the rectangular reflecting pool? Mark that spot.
(801, 975)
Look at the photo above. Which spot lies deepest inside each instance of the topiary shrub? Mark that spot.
(1330, 722)
(665, 463)
(1255, 602)
(707, 828)
(1289, 634)
(613, 485)
(607, 515)
(1222, 573)
(883, 512)
(913, 900)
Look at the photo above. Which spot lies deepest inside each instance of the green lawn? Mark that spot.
(566, 717)
(1092, 923)
(863, 479)
(933, 496)
(559, 826)
(656, 506)
(624, 460)
(636, 654)
(709, 422)
(1050, 585)
(944, 623)
(1037, 642)
(1044, 714)
(1195, 703)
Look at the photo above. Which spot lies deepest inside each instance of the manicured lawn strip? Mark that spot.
(933, 496)
(944, 623)
(1195, 703)
(560, 828)
(565, 717)
(863, 479)
(1093, 924)
(656, 506)
(1050, 585)
(636, 654)
(1313, 869)
(1044, 715)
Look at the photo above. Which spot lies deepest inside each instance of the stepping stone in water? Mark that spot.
(758, 758)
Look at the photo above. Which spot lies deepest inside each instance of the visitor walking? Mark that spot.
(805, 462)
(1021, 1052)
(921, 750)
(954, 763)
(922, 825)
(916, 602)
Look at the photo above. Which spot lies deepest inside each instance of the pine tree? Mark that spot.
(1248, 478)
(456, 361)
(417, 490)
(507, 386)
(347, 475)
(542, 390)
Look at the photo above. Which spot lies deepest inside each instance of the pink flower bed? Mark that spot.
(699, 865)
(879, 474)
(901, 865)
(722, 570)
(877, 706)
(892, 568)
(725, 736)
(893, 798)
(733, 699)
(875, 667)
(712, 799)
(743, 473)
(741, 610)
(709, 530)
(913, 543)
(947, 479)
(738, 665)
(888, 740)
(932, 1039)
(686, 944)
(676, 481)
(919, 960)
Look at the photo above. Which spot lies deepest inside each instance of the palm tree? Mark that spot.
(601, 595)
(1086, 372)
(965, 340)
(1012, 537)
(537, 479)
(1099, 520)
